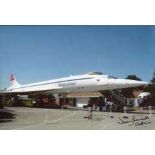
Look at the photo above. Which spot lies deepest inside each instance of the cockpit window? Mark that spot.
(98, 79)
(95, 73)
(111, 77)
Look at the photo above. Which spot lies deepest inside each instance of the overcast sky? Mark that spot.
(35, 53)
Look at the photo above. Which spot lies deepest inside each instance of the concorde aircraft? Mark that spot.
(78, 83)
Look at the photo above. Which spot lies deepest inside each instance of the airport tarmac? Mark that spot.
(24, 118)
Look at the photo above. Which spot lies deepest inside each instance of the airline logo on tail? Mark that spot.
(12, 77)
(13, 82)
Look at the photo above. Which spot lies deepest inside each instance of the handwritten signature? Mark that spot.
(135, 120)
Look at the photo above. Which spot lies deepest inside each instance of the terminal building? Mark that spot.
(83, 97)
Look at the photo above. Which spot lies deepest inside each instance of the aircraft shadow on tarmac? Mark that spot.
(6, 116)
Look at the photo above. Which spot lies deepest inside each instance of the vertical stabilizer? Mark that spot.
(13, 82)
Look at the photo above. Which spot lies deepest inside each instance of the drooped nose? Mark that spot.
(124, 83)
(134, 83)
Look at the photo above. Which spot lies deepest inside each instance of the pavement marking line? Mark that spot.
(61, 118)
(25, 111)
(16, 110)
(37, 125)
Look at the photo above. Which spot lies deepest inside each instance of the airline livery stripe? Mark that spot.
(53, 83)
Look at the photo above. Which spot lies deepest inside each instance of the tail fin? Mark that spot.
(13, 82)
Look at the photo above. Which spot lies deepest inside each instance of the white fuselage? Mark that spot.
(77, 83)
